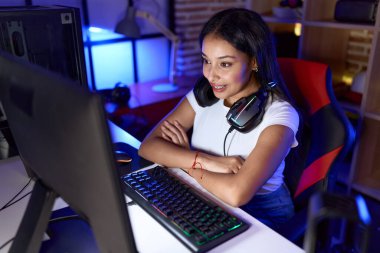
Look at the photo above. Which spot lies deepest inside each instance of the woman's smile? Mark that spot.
(218, 87)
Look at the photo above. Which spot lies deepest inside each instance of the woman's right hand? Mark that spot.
(222, 164)
(175, 133)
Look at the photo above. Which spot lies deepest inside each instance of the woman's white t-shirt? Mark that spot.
(211, 126)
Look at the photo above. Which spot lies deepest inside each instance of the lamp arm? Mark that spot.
(161, 28)
(168, 34)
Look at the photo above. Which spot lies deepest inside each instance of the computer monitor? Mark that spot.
(62, 134)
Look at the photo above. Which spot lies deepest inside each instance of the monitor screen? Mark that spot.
(62, 135)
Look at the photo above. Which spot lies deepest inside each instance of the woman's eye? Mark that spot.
(225, 64)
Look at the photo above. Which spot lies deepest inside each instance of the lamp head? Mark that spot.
(128, 25)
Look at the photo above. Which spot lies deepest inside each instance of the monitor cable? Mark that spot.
(6, 243)
(12, 201)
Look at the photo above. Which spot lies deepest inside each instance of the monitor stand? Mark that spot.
(35, 220)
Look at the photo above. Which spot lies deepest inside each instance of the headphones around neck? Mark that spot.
(245, 114)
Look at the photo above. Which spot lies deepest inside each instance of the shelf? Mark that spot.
(368, 190)
(273, 19)
(339, 25)
(347, 106)
(373, 116)
(346, 48)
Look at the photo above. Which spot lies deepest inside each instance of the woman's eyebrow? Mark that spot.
(226, 56)
(221, 57)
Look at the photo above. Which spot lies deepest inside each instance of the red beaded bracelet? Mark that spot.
(193, 167)
(195, 160)
(201, 167)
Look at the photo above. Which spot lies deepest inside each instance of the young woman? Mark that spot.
(242, 164)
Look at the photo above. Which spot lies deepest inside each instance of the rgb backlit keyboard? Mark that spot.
(199, 223)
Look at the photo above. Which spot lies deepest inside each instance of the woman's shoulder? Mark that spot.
(281, 112)
(277, 104)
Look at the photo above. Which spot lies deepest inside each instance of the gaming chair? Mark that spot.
(325, 137)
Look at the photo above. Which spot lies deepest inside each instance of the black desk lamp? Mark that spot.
(130, 28)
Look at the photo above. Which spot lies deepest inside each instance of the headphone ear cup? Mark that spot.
(121, 94)
(203, 92)
(246, 113)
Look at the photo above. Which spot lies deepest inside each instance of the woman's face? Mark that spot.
(228, 70)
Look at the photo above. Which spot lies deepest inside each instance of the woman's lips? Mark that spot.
(218, 87)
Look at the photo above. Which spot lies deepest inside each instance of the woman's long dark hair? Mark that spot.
(247, 32)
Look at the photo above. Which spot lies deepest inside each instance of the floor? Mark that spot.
(373, 205)
(374, 240)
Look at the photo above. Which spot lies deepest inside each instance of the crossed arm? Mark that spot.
(230, 178)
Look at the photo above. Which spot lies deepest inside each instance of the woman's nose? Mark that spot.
(210, 73)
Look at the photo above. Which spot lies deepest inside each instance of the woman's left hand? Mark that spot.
(175, 133)
(221, 164)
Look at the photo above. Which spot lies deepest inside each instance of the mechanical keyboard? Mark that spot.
(198, 222)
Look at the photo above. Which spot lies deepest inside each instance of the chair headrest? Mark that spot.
(308, 82)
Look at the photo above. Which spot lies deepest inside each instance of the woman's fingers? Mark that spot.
(174, 132)
(221, 164)
(235, 169)
(167, 134)
(181, 130)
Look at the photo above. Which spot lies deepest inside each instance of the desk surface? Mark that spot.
(258, 238)
(143, 94)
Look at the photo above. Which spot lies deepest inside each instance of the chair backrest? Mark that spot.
(325, 135)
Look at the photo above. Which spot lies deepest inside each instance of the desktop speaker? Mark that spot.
(361, 11)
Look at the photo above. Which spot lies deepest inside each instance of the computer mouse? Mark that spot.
(122, 157)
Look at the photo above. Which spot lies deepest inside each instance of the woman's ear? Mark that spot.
(254, 65)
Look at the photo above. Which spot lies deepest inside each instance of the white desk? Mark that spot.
(258, 238)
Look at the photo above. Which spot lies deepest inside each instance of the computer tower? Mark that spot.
(49, 36)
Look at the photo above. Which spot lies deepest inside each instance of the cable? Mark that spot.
(6, 243)
(17, 200)
(9, 203)
(14, 202)
(225, 139)
(68, 217)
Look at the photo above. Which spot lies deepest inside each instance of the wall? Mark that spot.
(106, 14)
(113, 62)
(189, 17)
(12, 2)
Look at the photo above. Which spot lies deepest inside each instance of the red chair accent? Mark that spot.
(316, 171)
